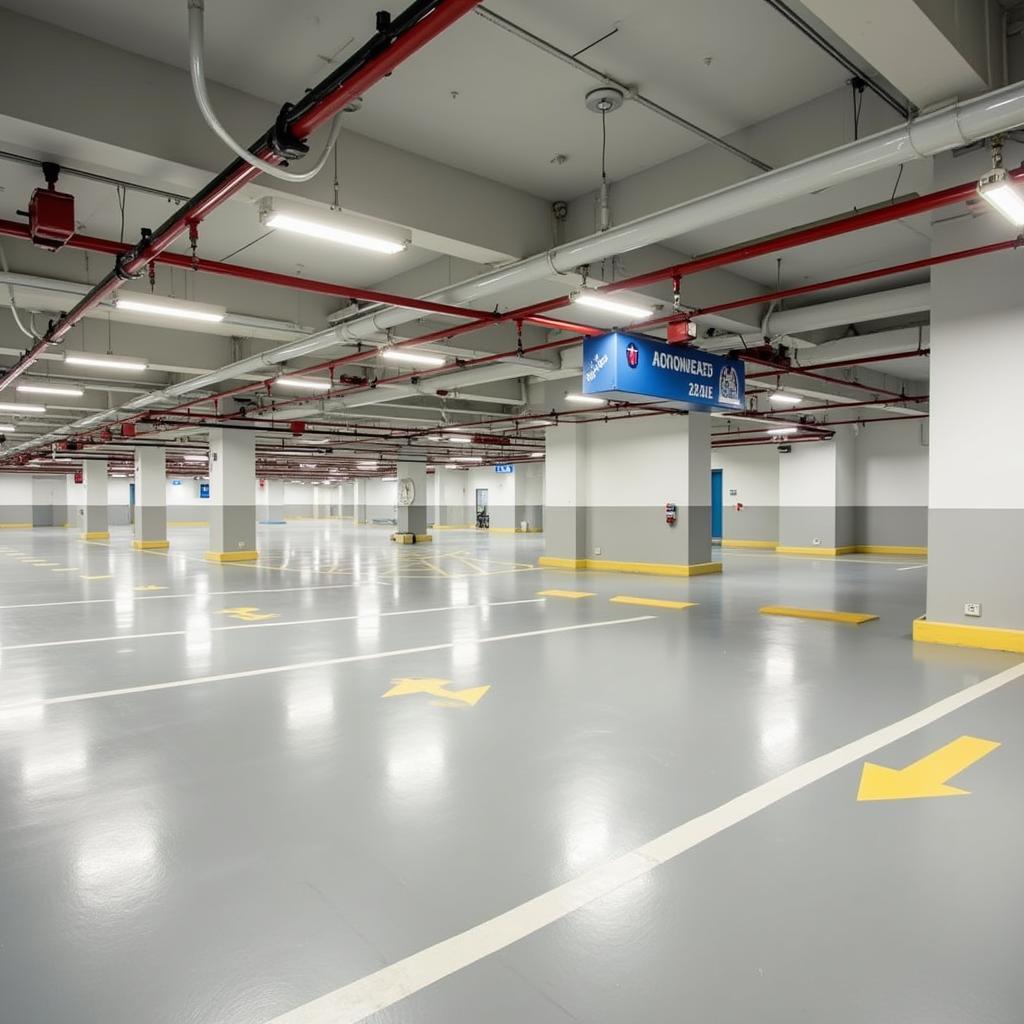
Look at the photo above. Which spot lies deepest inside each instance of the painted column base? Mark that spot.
(411, 538)
(146, 545)
(854, 549)
(15, 526)
(821, 552)
(771, 545)
(955, 634)
(232, 556)
(645, 568)
(96, 535)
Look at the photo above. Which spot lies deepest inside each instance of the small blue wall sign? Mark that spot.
(627, 366)
(503, 467)
(204, 490)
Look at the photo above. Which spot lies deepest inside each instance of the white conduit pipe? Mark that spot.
(977, 119)
(875, 306)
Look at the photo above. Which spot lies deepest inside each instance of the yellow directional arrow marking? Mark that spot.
(247, 614)
(436, 688)
(927, 777)
(150, 586)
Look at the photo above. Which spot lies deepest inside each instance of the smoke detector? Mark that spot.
(605, 99)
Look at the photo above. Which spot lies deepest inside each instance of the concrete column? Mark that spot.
(150, 498)
(528, 480)
(359, 502)
(606, 487)
(232, 496)
(93, 513)
(412, 518)
(816, 497)
(270, 501)
(975, 592)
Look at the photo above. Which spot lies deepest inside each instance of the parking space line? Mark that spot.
(825, 614)
(5, 648)
(376, 992)
(321, 663)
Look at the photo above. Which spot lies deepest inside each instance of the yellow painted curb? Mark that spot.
(652, 602)
(188, 522)
(232, 556)
(853, 618)
(956, 635)
(564, 593)
(562, 563)
(15, 526)
(770, 544)
(827, 552)
(146, 545)
(411, 538)
(96, 535)
(885, 549)
(643, 568)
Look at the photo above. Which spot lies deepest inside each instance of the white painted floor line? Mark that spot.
(907, 568)
(375, 992)
(5, 648)
(322, 663)
(171, 597)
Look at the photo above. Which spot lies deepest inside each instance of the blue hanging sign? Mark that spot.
(204, 490)
(175, 483)
(503, 467)
(626, 366)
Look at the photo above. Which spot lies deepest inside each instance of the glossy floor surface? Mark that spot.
(235, 793)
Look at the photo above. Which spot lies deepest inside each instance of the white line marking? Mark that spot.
(907, 568)
(169, 597)
(359, 999)
(248, 673)
(261, 625)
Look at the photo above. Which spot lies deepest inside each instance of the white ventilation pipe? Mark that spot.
(915, 298)
(957, 125)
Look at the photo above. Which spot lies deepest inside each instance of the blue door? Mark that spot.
(131, 503)
(716, 504)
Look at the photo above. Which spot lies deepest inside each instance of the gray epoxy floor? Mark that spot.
(228, 849)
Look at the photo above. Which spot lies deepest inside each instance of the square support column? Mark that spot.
(359, 502)
(816, 497)
(975, 595)
(412, 485)
(606, 487)
(93, 513)
(150, 499)
(232, 496)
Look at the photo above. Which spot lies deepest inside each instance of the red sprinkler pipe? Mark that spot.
(393, 43)
(837, 363)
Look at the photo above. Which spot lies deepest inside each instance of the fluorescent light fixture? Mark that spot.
(368, 465)
(998, 190)
(533, 424)
(585, 399)
(7, 428)
(536, 455)
(105, 362)
(401, 355)
(179, 309)
(595, 300)
(779, 398)
(195, 458)
(26, 410)
(390, 479)
(46, 389)
(450, 465)
(468, 458)
(783, 430)
(332, 226)
(303, 383)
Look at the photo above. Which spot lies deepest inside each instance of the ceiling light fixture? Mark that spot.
(585, 400)
(779, 398)
(179, 309)
(7, 428)
(303, 383)
(783, 430)
(24, 410)
(594, 300)
(401, 355)
(333, 226)
(468, 458)
(536, 455)
(105, 362)
(46, 389)
(195, 458)
(999, 191)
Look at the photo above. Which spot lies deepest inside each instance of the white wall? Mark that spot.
(753, 473)
(892, 464)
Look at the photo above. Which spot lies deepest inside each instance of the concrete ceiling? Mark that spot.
(685, 54)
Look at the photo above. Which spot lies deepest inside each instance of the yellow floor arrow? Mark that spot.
(247, 614)
(436, 688)
(927, 777)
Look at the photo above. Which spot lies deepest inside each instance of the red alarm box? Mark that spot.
(51, 218)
